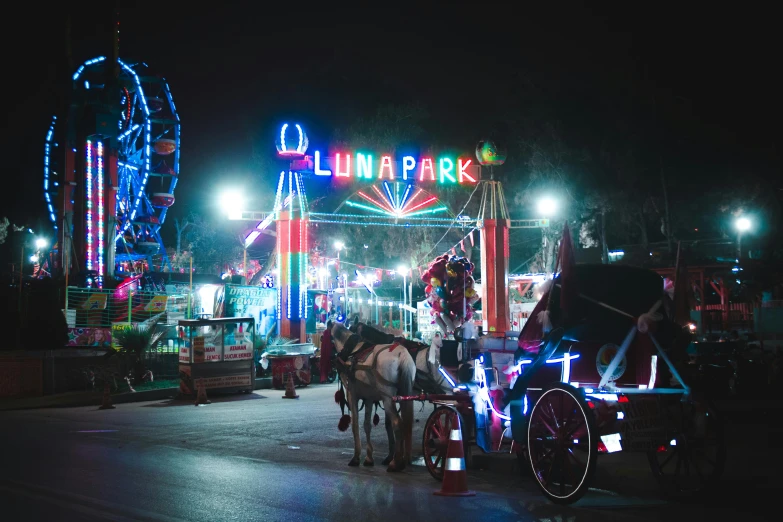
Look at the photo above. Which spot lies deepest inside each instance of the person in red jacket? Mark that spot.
(327, 349)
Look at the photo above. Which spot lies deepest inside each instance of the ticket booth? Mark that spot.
(220, 351)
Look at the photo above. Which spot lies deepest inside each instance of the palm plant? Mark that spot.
(134, 341)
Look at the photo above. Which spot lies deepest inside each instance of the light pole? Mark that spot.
(339, 245)
(403, 270)
(232, 202)
(547, 207)
(743, 224)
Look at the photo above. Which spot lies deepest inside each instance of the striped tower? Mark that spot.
(291, 215)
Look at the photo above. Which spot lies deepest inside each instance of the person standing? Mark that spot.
(327, 349)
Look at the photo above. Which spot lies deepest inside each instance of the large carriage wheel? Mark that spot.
(562, 443)
(436, 439)
(694, 459)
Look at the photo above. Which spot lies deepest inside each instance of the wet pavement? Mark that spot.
(258, 457)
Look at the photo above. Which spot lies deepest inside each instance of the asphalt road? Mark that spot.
(259, 457)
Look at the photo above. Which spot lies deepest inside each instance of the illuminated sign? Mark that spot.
(294, 146)
(368, 166)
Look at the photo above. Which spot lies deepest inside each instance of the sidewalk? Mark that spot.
(93, 398)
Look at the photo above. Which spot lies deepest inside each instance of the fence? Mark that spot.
(93, 314)
(740, 316)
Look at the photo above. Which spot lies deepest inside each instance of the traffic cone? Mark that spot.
(106, 404)
(455, 478)
(290, 391)
(201, 397)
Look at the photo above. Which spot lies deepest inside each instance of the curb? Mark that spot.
(94, 398)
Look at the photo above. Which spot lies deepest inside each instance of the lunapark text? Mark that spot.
(369, 167)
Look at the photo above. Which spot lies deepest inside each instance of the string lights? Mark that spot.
(88, 201)
(101, 266)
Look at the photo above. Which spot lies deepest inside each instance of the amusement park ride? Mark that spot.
(111, 165)
(395, 192)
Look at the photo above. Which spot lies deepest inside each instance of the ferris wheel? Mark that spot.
(134, 127)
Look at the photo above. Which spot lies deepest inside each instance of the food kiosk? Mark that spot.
(290, 360)
(220, 351)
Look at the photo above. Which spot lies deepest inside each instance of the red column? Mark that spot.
(283, 234)
(292, 283)
(494, 276)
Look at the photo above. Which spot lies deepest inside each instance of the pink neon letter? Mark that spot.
(426, 163)
(386, 163)
(337, 172)
(462, 174)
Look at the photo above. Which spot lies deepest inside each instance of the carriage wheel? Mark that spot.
(694, 460)
(562, 443)
(436, 439)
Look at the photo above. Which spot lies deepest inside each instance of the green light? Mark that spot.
(428, 211)
(365, 207)
(446, 172)
(363, 166)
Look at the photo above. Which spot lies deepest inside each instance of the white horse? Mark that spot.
(379, 373)
(429, 379)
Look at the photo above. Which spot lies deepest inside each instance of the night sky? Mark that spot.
(237, 70)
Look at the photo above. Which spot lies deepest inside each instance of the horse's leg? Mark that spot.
(353, 402)
(398, 463)
(390, 435)
(368, 461)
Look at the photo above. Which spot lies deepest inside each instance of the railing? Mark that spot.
(88, 308)
(93, 314)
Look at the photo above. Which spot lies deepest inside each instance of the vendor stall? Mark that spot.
(290, 359)
(220, 351)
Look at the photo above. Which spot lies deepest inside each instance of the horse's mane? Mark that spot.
(341, 333)
(376, 336)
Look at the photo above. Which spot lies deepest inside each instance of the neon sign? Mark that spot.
(367, 166)
(295, 147)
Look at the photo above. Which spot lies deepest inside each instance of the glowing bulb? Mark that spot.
(547, 207)
(743, 224)
(232, 202)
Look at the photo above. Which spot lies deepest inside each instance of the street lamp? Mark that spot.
(40, 243)
(547, 207)
(403, 271)
(232, 203)
(743, 224)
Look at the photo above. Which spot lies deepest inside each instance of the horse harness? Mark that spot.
(350, 357)
(425, 381)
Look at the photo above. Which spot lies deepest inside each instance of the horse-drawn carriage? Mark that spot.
(605, 379)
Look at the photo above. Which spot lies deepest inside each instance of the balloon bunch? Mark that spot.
(450, 291)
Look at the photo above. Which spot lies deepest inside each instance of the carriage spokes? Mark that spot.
(561, 443)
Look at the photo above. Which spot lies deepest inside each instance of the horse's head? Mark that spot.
(340, 334)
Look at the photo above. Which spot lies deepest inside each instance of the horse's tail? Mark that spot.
(405, 387)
